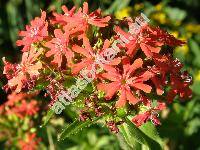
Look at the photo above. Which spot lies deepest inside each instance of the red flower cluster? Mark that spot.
(30, 143)
(35, 32)
(18, 105)
(63, 45)
(150, 114)
(21, 109)
(27, 69)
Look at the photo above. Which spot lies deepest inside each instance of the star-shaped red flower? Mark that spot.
(28, 68)
(35, 32)
(124, 81)
(59, 47)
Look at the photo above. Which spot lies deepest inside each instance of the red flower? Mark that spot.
(35, 32)
(179, 86)
(63, 19)
(80, 21)
(14, 98)
(148, 38)
(179, 81)
(166, 64)
(59, 47)
(26, 108)
(124, 82)
(17, 104)
(28, 68)
(150, 114)
(90, 56)
(92, 18)
(77, 39)
(9, 69)
(30, 143)
(158, 84)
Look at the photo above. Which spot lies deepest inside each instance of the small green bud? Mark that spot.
(122, 112)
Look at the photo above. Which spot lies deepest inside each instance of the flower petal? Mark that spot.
(81, 50)
(130, 97)
(122, 99)
(110, 89)
(146, 88)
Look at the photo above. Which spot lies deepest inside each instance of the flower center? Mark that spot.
(123, 81)
(85, 16)
(66, 14)
(34, 31)
(58, 45)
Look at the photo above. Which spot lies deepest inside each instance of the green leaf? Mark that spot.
(140, 136)
(57, 5)
(123, 144)
(69, 82)
(46, 119)
(41, 85)
(88, 88)
(117, 5)
(102, 141)
(192, 126)
(150, 130)
(126, 140)
(193, 45)
(175, 14)
(29, 7)
(75, 127)
(196, 87)
(4, 124)
(13, 16)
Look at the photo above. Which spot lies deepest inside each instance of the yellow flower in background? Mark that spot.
(194, 28)
(175, 34)
(125, 12)
(159, 7)
(160, 17)
(197, 76)
(182, 49)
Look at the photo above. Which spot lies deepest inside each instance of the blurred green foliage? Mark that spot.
(180, 127)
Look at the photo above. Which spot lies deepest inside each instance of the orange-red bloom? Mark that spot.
(35, 32)
(28, 68)
(149, 39)
(150, 114)
(77, 40)
(125, 81)
(79, 22)
(91, 56)
(30, 143)
(59, 47)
